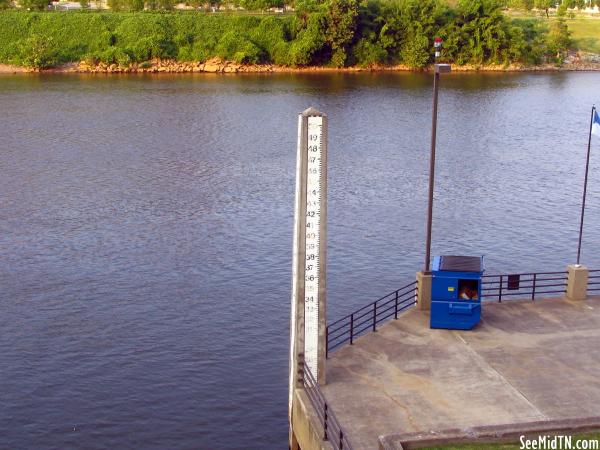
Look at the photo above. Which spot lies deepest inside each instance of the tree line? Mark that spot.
(336, 33)
(261, 5)
(149, 5)
(545, 5)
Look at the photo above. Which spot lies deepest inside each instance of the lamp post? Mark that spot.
(438, 68)
(585, 182)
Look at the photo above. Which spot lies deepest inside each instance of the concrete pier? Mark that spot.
(527, 362)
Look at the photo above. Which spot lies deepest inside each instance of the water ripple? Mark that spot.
(146, 231)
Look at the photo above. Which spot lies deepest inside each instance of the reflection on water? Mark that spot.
(146, 232)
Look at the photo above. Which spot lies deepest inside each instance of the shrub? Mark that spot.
(335, 32)
(409, 26)
(38, 52)
(272, 38)
(145, 37)
(238, 48)
(341, 21)
(416, 53)
(558, 40)
(34, 5)
(308, 42)
(114, 55)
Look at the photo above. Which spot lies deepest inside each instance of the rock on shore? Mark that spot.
(574, 62)
(7, 68)
(214, 65)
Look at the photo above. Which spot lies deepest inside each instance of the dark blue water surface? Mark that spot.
(146, 232)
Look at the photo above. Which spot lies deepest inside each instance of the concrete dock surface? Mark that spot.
(525, 362)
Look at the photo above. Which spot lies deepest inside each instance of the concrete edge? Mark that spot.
(564, 298)
(488, 433)
(305, 424)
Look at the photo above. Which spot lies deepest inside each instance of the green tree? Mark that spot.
(156, 5)
(558, 40)
(533, 37)
(253, 5)
(134, 5)
(308, 42)
(34, 5)
(166, 5)
(409, 27)
(415, 53)
(270, 37)
(116, 5)
(526, 5)
(580, 4)
(39, 52)
(480, 33)
(147, 36)
(517, 48)
(544, 5)
(342, 33)
(367, 51)
(305, 7)
(341, 21)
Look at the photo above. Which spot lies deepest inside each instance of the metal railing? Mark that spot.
(494, 287)
(368, 317)
(593, 280)
(523, 285)
(331, 429)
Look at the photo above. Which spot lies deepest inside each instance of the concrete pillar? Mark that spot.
(577, 280)
(423, 291)
(294, 445)
(308, 323)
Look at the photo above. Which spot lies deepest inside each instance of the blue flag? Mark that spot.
(596, 123)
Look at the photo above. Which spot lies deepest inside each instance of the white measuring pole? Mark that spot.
(309, 288)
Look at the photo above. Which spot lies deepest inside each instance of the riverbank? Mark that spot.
(349, 38)
(7, 68)
(216, 65)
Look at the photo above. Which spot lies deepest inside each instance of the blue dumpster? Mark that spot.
(456, 292)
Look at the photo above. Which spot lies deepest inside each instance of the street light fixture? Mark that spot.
(438, 68)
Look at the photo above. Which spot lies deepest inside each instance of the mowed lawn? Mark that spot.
(585, 30)
(586, 33)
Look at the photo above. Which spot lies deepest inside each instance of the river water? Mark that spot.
(146, 232)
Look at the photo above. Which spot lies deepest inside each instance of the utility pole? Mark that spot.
(585, 182)
(438, 68)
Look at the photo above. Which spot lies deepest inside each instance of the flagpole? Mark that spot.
(587, 166)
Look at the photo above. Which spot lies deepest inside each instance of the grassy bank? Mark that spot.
(585, 33)
(333, 33)
(48, 39)
(584, 29)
